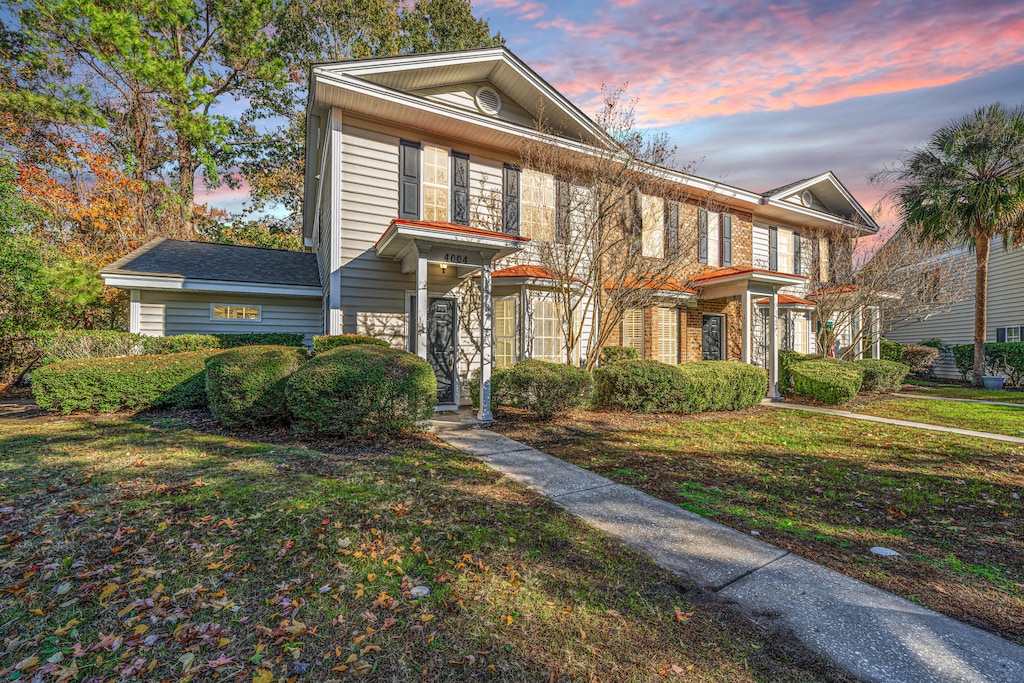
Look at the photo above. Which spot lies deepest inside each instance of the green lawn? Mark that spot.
(947, 391)
(981, 417)
(139, 548)
(829, 489)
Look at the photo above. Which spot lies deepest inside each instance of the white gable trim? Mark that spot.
(776, 197)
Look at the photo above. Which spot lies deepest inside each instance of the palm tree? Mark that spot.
(966, 187)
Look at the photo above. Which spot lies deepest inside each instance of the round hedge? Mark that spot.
(882, 375)
(246, 385)
(362, 391)
(544, 388)
(828, 380)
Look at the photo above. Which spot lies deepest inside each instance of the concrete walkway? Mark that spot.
(891, 421)
(959, 400)
(867, 632)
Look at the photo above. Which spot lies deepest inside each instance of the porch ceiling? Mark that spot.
(463, 246)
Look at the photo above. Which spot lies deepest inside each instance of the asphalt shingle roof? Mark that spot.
(209, 261)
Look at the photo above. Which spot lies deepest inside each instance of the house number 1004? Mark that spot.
(456, 258)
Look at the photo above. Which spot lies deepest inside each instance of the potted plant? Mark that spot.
(990, 380)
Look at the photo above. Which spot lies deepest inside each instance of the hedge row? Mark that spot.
(1001, 358)
(882, 375)
(103, 385)
(648, 386)
(828, 380)
(332, 341)
(544, 388)
(58, 345)
(246, 386)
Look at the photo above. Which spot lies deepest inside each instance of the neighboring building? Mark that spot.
(416, 211)
(1005, 319)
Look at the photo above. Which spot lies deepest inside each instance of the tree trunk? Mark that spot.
(186, 189)
(983, 246)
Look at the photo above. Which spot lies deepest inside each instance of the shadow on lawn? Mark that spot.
(249, 499)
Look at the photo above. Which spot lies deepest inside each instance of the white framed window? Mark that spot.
(249, 312)
(506, 331)
(653, 226)
(786, 240)
(538, 202)
(548, 343)
(436, 183)
(800, 332)
(714, 238)
(633, 329)
(1013, 334)
(823, 265)
(668, 336)
(812, 342)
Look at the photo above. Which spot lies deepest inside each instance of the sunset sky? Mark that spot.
(759, 94)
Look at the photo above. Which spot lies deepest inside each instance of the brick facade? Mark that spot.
(731, 308)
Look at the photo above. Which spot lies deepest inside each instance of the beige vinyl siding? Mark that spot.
(485, 187)
(463, 96)
(760, 244)
(170, 313)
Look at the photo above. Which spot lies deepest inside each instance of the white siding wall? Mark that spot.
(170, 313)
(760, 246)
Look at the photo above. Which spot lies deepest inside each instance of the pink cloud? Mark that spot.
(694, 62)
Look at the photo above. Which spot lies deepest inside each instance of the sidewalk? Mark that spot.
(867, 632)
(891, 421)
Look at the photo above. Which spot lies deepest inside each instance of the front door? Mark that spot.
(442, 315)
(712, 334)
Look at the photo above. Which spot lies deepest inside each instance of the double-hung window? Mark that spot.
(633, 329)
(538, 202)
(667, 350)
(547, 331)
(714, 235)
(783, 250)
(436, 183)
(1008, 334)
(506, 338)
(433, 183)
(653, 226)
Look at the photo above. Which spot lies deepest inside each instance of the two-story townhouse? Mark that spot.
(423, 224)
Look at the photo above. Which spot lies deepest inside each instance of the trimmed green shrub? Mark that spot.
(963, 356)
(935, 343)
(919, 358)
(362, 390)
(830, 381)
(648, 386)
(639, 386)
(58, 345)
(890, 350)
(786, 361)
(545, 389)
(246, 386)
(882, 375)
(613, 354)
(722, 385)
(1007, 359)
(103, 385)
(327, 342)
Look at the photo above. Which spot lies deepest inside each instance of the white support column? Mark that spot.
(747, 327)
(857, 329)
(486, 324)
(135, 312)
(421, 307)
(876, 333)
(773, 347)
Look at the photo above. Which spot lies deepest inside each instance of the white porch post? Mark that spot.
(857, 329)
(876, 333)
(135, 312)
(773, 346)
(421, 307)
(486, 323)
(747, 327)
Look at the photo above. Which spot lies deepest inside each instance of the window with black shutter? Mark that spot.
(671, 229)
(702, 236)
(460, 188)
(409, 180)
(562, 198)
(1000, 334)
(773, 248)
(510, 200)
(726, 239)
(796, 253)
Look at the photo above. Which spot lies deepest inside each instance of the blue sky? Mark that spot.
(762, 93)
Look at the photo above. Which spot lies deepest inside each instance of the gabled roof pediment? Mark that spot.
(823, 193)
(454, 79)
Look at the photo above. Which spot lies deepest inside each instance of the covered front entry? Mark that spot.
(433, 316)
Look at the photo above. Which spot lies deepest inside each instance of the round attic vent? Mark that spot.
(807, 198)
(488, 101)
